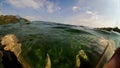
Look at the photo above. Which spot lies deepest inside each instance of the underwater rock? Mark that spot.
(111, 47)
(81, 58)
(48, 61)
(77, 61)
(83, 54)
(10, 42)
(103, 41)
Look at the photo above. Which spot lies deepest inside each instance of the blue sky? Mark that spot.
(92, 13)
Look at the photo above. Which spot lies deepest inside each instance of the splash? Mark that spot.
(109, 46)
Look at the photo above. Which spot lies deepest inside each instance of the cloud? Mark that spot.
(80, 5)
(32, 18)
(94, 15)
(51, 7)
(35, 4)
(24, 3)
(91, 19)
(75, 8)
(90, 12)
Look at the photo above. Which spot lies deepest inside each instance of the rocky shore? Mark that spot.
(6, 19)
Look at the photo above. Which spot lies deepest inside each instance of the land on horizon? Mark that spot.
(6, 19)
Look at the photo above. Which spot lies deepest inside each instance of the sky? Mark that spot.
(91, 13)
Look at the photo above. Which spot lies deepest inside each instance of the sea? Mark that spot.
(62, 42)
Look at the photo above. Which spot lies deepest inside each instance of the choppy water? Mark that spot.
(62, 43)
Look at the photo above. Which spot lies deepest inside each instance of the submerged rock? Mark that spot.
(109, 47)
(81, 58)
(83, 54)
(48, 61)
(77, 61)
(10, 42)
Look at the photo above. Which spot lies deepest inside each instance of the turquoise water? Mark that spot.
(62, 42)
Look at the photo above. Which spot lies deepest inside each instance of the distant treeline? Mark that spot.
(6, 19)
(110, 29)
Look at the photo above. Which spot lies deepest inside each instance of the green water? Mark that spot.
(62, 43)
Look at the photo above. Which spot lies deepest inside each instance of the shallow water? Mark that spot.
(62, 42)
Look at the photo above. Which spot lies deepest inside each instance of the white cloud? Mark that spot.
(75, 8)
(91, 12)
(94, 15)
(32, 18)
(51, 7)
(35, 4)
(24, 3)
(94, 20)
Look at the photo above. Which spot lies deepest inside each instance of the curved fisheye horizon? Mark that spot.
(59, 33)
(94, 13)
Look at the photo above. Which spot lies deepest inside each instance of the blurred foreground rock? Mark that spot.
(11, 43)
(48, 61)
